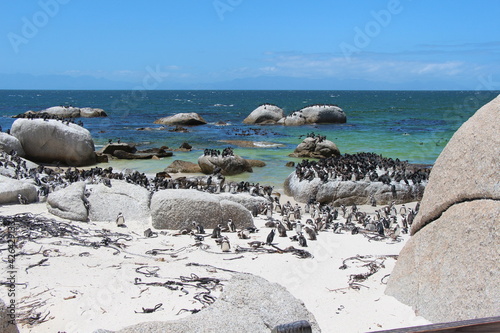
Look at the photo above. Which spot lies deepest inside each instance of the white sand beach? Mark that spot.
(82, 289)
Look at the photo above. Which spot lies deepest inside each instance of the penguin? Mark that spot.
(22, 199)
(298, 227)
(231, 226)
(199, 228)
(302, 240)
(270, 237)
(310, 233)
(225, 245)
(244, 234)
(281, 230)
(402, 210)
(216, 232)
(380, 228)
(120, 220)
(396, 232)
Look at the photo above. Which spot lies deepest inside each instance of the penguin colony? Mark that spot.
(361, 166)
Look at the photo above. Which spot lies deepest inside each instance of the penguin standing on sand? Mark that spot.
(302, 240)
(224, 245)
(281, 230)
(270, 237)
(231, 226)
(216, 232)
(120, 220)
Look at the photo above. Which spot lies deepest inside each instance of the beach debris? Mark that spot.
(150, 310)
(40, 263)
(373, 263)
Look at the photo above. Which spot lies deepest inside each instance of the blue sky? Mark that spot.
(249, 44)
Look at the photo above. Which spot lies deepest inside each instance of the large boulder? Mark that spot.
(92, 113)
(315, 148)
(63, 111)
(110, 148)
(467, 168)
(265, 114)
(456, 234)
(251, 202)
(187, 119)
(52, 141)
(248, 304)
(316, 114)
(350, 192)
(175, 209)
(11, 188)
(8, 315)
(229, 165)
(129, 199)
(68, 203)
(183, 166)
(9, 143)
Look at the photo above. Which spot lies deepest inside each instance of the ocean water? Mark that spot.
(409, 125)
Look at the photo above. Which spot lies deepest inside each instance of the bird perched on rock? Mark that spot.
(120, 220)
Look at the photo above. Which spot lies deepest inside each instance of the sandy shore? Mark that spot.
(81, 289)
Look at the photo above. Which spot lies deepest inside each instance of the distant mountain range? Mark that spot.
(65, 82)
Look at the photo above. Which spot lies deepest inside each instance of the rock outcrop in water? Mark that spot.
(52, 141)
(265, 114)
(316, 147)
(65, 112)
(186, 119)
(456, 234)
(313, 114)
(355, 179)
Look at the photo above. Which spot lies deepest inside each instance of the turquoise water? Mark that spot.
(409, 125)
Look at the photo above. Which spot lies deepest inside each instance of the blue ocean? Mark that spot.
(409, 125)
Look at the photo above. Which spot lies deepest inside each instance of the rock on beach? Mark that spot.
(52, 141)
(265, 114)
(456, 234)
(175, 209)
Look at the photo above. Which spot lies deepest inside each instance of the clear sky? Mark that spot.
(250, 44)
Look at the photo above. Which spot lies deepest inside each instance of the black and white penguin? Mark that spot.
(270, 237)
(281, 230)
(231, 226)
(22, 200)
(311, 234)
(199, 228)
(225, 245)
(302, 240)
(216, 233)
(120, 220)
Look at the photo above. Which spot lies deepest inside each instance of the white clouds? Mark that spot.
(369, 66)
